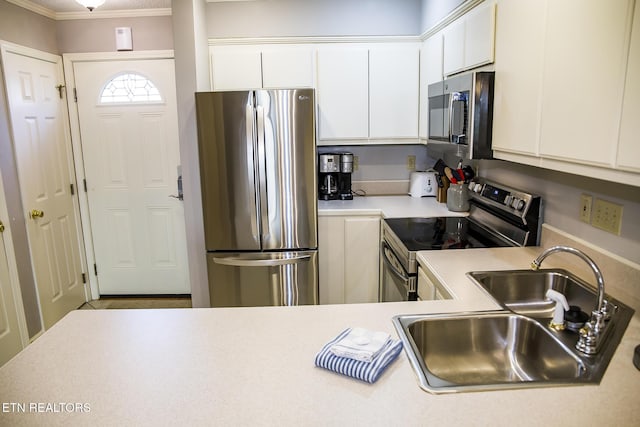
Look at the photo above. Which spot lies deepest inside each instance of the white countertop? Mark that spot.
(254, 366)
(387, 206)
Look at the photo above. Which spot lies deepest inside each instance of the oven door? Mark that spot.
(396, 284)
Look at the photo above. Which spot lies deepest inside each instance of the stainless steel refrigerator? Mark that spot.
(259, 194)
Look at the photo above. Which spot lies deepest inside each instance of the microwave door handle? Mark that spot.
(252, 159)
(452, 95)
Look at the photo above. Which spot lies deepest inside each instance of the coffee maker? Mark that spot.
(334, 176)
(344, 179)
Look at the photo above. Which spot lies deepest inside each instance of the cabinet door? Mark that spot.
(394, 92)
(453, 47)
(236, 68)
(518, 68)
(430, 72)
(287, 68)
(584, 65)
(629, 148)
(479, 35)
(331, 259)
(361, 259)
(426, 288)
(343, 93)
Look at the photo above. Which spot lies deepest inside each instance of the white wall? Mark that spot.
(278, 18)
(561, 194)
(433, 11)
(192, 75)
(98, 35)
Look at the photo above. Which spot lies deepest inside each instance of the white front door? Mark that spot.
(129, 131)
(45, 171)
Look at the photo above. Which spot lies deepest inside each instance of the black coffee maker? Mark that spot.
(344, 178)
(334, 176)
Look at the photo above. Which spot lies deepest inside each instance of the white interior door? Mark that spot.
(131, 156)
(45, 170)
(10, 335)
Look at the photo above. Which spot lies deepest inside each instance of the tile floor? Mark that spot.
(137, 302)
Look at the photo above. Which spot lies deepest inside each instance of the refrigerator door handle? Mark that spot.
(262, 172)
(251, 148)
(246, 262)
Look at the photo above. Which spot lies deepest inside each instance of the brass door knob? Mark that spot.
(1, 227)
(35, 213)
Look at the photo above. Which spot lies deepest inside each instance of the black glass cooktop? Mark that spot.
(419, 234)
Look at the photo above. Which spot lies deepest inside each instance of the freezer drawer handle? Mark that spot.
(243, 262)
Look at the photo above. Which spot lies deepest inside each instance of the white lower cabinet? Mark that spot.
(348, 258)
(428, 290)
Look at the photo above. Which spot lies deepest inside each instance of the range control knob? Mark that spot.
(517, 204)
(477, 188)
(472, 185)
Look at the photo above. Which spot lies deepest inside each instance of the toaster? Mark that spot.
(423, 184)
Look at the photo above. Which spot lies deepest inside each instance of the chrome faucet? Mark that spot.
(594, 331)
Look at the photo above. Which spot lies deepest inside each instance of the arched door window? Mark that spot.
(129, 88)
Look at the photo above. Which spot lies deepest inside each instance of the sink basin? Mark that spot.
(523, 291)
(477, 352)
(513, 347)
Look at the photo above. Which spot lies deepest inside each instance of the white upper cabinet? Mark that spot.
(469, 41)
(394, 92)
(629, 146)
(256, 67)
(453, 52)
(518, 68)
(343, 93)
(430, 72)
(236, 68)
(583, 73)
(287, 68)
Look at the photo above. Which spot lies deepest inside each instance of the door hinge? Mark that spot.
(75, 94)
(95, 269)
(84, 183)
(84, 278)
(60, 88)
(73, 190)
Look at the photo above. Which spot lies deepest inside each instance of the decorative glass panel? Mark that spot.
(129, 87)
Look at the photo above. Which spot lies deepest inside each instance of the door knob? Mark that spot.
(35, 213)
(1, 227)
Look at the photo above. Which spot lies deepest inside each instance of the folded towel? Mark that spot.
(364, 371)
(360, 344)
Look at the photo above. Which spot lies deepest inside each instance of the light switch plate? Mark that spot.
(411, 163)
(585, 208)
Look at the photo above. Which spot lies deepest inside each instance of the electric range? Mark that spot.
(499, 216)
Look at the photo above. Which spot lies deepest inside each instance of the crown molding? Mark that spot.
(455, 14)
(96, 14)
(311, 40)
(36, 8)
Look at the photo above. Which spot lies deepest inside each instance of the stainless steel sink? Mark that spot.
(523, 291)
(485, 351)
(513, 347)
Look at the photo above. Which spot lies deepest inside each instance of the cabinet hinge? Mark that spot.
(84, 183)
(60, 89)
(73, 190)
(75, 94)
(84, 278)
(95, 269)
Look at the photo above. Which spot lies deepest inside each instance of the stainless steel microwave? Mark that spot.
(461, 113)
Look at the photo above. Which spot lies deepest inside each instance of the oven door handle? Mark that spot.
(393, 268)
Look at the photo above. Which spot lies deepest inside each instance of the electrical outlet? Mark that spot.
(585, 208)
(411, 163)
(607, 216)
(356, 163)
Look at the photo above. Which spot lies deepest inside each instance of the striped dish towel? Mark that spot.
(364, 371)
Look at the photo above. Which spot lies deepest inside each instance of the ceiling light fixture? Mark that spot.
(91, 4)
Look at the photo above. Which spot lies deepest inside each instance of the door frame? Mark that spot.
(12, 263)
(68, 60)
(9, 47)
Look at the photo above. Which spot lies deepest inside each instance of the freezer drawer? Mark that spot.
(263, 279)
